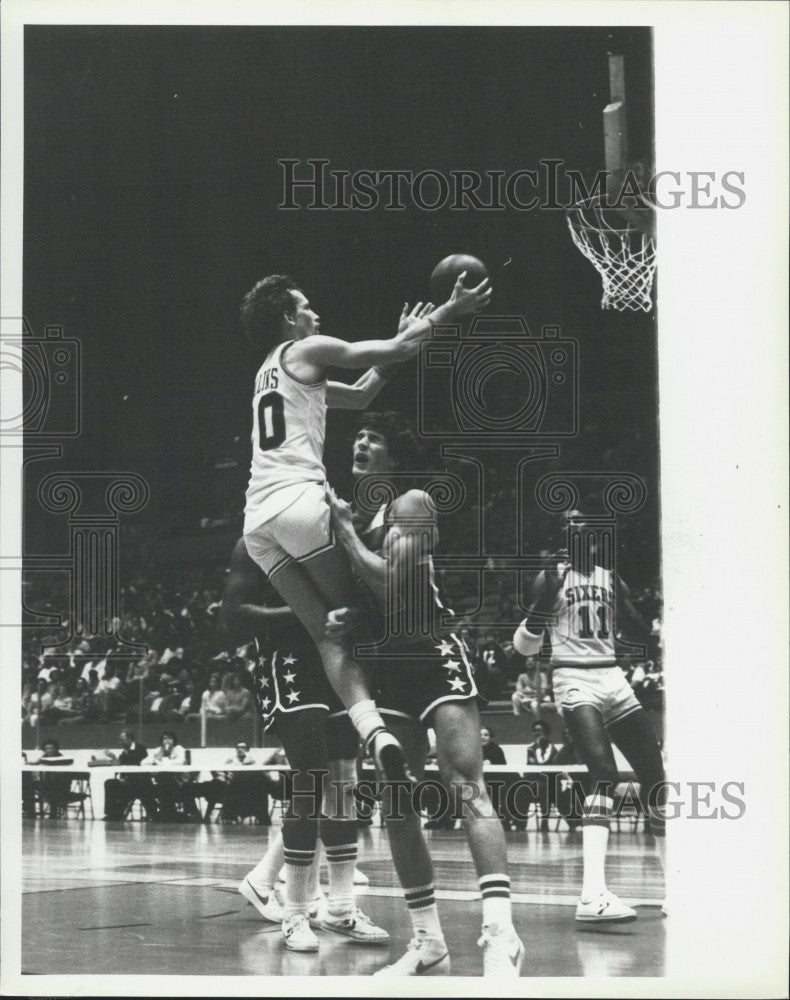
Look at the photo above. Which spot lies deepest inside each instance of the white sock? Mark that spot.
(595, 839)
(264, 874)
(366, 719)
(315, 871)
(298, 881)
(342, 861)
(421, 902)
(495, 890)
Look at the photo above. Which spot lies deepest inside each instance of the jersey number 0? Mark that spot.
(271, 421)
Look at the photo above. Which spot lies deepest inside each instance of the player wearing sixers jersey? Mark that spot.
(579, 602)
(286, 519)
(297, 702)
(423, 680)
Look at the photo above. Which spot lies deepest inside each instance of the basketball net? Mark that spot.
(623, 255)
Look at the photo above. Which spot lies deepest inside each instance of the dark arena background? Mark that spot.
(152, 204)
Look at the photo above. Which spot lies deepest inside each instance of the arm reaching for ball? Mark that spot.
(319, 352)
(528, 637)
(361, 394)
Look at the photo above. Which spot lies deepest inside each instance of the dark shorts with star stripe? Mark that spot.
(411, 686)
(292, 679)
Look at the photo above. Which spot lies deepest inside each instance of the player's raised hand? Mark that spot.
(469, 300)
(341, 621)
(556, 571)
(340, 512)
(409, 318)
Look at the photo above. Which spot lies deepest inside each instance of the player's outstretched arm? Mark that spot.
(528, 637)
(243, 614)
(361, 394)
(358, 396)
(324, 352)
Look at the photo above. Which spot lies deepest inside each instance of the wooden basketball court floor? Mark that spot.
(135, 898)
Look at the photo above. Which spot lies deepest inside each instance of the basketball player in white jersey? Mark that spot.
(287, 527)
(580, 602)
(423, 677)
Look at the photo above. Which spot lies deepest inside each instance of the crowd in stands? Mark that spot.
(180, 673)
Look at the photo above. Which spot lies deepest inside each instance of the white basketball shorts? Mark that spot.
(605, 688)
(300, 532)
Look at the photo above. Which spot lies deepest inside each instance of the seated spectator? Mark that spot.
(47, 669)
(172, 789)
(56, 788)
(63, 704)
(40, 703)
(543, 751)
(523, 698)
(467, 637)
(213, 704)
(189, 707)
(240, 794)
(122, 790)
(653, 685)
(492, 667)
(83, 704)
(137, 674)
(168, 753)
(108, 693)
(274, 782)
(170, 654)
(162, 703)
(27, 693)
(246, 794)
(238, 700)
(494, 754)
(636, 676)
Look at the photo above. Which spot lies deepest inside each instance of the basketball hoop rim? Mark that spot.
(575, 216)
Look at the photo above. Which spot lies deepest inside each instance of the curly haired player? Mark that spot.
(424, 677)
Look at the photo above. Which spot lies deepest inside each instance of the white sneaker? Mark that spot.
(297, 933)
(360, 878)
(316, 911)
(604, 909)
(425, 956)
(267, 904)
(357, 926)
(503, 952)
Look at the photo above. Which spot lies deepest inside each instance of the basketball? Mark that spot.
(446, 273)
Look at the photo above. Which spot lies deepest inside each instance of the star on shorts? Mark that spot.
(456, 683)
(452, 665)
(445, 648)
(289, 678)
(263, 681)
(289, 660)
(265, 702)
(293, 696)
